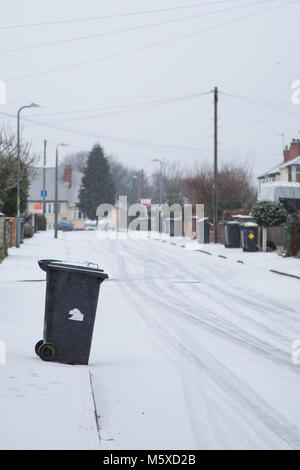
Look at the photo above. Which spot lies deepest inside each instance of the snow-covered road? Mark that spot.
(189, 351)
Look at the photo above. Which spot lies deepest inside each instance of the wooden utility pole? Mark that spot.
(215, 211)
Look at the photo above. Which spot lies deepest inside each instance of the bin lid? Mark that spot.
(91, 269)
(250, 224)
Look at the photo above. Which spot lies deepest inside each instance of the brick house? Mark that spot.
(282, 182)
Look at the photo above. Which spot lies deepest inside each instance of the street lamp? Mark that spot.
(140, 179)
(56, 189)
(161, 179)
(18, 231)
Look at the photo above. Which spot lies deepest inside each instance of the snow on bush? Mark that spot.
(269, 214)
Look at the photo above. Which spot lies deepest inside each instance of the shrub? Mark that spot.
(28, 231)
(269, 214)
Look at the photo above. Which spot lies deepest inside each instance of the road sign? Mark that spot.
(38, 208)
(44, 193)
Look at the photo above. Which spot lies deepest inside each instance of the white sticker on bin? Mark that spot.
(76, 315)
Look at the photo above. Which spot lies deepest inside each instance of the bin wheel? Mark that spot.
(47, 352)
(37, 346)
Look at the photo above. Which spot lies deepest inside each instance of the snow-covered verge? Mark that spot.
(42, 405)
(260, 260)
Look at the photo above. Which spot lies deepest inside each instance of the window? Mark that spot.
(50, 209)
(297, 174)
(77, 214)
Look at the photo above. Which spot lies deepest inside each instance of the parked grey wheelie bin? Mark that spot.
(250, 237)
(71, 302)
(232, 235)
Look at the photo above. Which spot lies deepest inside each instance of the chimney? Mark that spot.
(68, 175)
(295, 149)
(292, 152)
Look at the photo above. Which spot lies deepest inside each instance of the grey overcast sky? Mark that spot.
(135, 76)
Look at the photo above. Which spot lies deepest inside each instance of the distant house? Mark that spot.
(282, 182)
(68, 189)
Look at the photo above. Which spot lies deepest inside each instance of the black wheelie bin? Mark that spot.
(232, 235)
(250, 237)
(71, 302)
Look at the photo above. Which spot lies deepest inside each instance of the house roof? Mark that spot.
(276, 169)
(65, 193)
(295, 161)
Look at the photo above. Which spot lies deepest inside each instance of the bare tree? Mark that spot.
(9, 170)
(235, 188)
(77, 160)
(173, 187)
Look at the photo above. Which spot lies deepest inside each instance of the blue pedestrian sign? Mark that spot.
(44, 193)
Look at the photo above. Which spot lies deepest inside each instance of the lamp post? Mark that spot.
(56, 189)
(161, 179)
(18, 231)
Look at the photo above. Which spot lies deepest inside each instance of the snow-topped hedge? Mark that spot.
(269, 214)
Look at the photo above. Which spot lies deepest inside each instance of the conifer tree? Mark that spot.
(97, 186)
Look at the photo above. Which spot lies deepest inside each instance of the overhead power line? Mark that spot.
(120, 139)
(109, 111)
(152, 45)
(260, 104)
(130, 142)
(115, 15)
(97, 99)
(130, 29)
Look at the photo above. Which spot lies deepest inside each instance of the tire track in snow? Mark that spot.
(225, 278)
(228, 382)
(233, 387)
(217, 325)
(267, 310)
(224, 326)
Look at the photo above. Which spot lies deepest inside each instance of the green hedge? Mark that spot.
(269, 214)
